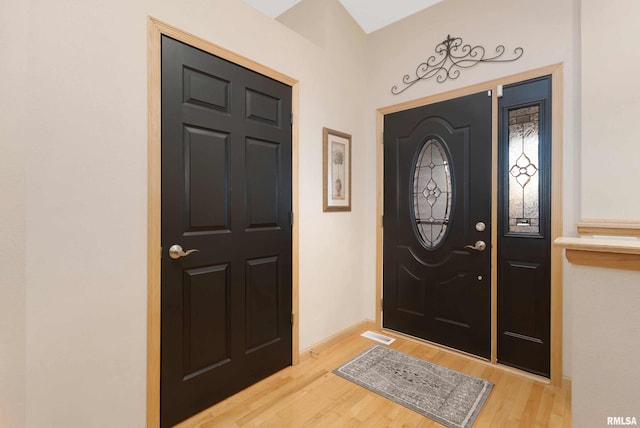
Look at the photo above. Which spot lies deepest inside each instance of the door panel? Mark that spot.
(437, 166)
(262, 183)
(524, 237)
(204, 90)
(207, 171)
(205, 304)
(262, 303)
(410, 292)
(226, 191)
(263, 108)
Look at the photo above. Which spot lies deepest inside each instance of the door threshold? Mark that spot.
(522, 373)
(436, 345)
(457, 352)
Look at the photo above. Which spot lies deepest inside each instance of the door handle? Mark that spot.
(176, 251)
(479, 246)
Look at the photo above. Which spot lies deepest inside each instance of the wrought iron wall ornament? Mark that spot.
(452, 56)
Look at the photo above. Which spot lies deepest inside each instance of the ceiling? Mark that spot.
(371, 15)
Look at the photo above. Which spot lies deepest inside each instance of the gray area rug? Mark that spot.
(451, 398)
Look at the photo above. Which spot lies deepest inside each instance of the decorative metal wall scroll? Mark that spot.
(452, 56)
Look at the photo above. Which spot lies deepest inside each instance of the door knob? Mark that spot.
(176, 251)
(479, 246)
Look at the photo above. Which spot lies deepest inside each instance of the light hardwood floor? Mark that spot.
(309, 395)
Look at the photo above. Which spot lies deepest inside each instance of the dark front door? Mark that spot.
(226, 192)
(437, 223)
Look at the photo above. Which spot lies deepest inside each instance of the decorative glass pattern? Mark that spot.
(432, 193)
(524, 176)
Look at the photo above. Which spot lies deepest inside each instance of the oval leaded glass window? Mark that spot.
(432, 193)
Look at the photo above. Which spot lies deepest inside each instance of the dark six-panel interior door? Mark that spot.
(226, 191)
(441, 294)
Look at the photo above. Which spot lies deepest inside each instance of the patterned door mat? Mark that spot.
(451, 398)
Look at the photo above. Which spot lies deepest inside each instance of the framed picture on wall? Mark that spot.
(336, 170)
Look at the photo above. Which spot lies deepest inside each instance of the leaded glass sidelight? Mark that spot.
(524, 176)
(432, 193)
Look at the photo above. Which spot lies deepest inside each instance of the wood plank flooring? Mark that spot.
(309, 395)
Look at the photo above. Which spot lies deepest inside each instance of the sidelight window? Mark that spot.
(524, 176)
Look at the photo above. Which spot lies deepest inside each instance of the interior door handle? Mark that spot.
(176, 251)
(479, 246)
